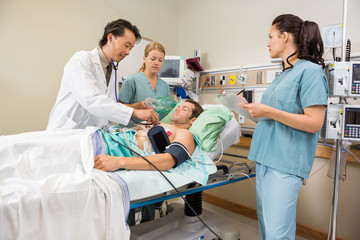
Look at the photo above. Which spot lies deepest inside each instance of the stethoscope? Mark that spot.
(116, 96)
(115, 69)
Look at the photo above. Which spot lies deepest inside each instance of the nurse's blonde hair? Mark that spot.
(152, 46)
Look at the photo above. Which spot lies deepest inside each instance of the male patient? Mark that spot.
(177, 131)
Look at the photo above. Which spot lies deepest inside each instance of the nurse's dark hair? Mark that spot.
(117, 28)
(197, 108)
(306, 35)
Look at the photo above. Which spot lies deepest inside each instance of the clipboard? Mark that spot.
(232, 101)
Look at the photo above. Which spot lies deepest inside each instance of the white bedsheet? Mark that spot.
(143, 184)
(47, 193)
(51, 191)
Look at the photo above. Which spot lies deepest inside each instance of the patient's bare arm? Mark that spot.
(163, 161)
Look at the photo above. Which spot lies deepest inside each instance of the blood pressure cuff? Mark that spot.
(177, 152)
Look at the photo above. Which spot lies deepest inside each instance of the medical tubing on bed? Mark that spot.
(172, 185)
(246, 175)
(346, 150)
(222, 150)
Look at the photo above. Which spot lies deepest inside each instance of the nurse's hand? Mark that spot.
(142, 105)
(148, 115)
(107, 163)
(256, 110)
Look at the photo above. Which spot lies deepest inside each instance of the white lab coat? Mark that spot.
(84, 99)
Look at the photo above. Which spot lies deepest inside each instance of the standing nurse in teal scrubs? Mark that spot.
(146, 82)
(284, 147)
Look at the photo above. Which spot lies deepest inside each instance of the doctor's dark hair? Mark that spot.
(197, 108)
(307, 37)
(117, 28)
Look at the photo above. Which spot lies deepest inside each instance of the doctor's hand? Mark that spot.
(148, 115)
(107, 163)
(256, 110)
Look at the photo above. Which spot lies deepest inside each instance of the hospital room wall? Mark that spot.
(38, 38)
(234, 33)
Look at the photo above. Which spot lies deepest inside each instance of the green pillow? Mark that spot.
(209, 125)
(166, 119)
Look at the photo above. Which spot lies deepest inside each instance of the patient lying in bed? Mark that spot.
(48, 184)
(181, 147)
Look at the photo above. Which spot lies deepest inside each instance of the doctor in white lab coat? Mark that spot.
(87, 93)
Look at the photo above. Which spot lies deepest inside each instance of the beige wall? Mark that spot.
(231, 33)
(38, 37)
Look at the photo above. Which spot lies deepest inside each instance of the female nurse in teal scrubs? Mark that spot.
(284, 146)
(146, 82)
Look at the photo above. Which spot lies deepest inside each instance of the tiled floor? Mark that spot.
(248, 227)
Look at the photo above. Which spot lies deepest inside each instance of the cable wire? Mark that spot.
(346, 150)
(172, 185)
(222, 150)
(246, 175)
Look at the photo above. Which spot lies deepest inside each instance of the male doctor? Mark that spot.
(87, 93)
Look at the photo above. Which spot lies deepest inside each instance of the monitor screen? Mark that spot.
(172, 70)
(351, 123)
(356, 72)
(352, 116)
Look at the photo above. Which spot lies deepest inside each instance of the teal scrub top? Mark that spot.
(137, 87)
(277, 145)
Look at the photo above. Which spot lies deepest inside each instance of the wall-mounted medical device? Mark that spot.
(344, 79)
(342, 121)
(351, 122)
(173, 70)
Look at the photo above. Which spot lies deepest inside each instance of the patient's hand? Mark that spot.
(106, 163)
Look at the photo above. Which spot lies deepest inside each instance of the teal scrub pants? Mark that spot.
(276, 199)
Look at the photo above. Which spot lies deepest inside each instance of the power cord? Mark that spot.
(346, 150)
(172, 185)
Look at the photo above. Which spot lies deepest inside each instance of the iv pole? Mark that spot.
(335, 202)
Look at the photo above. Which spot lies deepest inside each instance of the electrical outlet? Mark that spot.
(213, 81)
(222, 80)
(207, 81)
(259, 77)
(241, 119)
(242, 79)
(232, 79)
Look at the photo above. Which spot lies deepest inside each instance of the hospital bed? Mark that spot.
(49, 189)
(180, 221)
